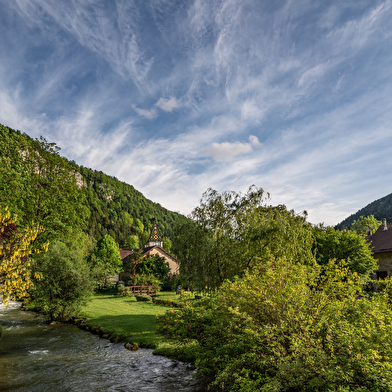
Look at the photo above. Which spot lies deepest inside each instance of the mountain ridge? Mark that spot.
(113, 206)
(380, 208)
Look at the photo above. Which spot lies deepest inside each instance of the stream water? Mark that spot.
(35, 356)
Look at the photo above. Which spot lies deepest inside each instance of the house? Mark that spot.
(381, 246)
(153, 247)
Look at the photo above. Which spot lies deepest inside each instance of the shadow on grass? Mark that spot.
(138, 328)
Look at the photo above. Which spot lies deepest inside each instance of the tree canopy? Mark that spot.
(65, 284)
(36, 183)
(344, 245)
(16, 245)
(105, 259)
(364, 224)
(231, 232)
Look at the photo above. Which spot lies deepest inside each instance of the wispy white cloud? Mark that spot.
(168, 105)
(226, 151)
(149, 114)
(308, 81)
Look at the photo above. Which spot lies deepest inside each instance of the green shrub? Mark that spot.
(289, 327)
(66, 282)
(143, 280)
(120, 289)
(141, 298)
(107, 287)
(385, 286)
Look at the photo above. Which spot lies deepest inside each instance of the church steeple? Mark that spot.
(155, 238)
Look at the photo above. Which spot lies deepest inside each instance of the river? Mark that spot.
(35, 356)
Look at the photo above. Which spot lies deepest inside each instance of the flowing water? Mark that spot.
(35, 356)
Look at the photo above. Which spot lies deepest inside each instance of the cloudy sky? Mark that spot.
(174, 97)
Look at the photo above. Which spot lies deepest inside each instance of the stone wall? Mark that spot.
(384, 262)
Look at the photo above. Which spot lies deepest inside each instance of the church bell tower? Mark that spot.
(155, 238)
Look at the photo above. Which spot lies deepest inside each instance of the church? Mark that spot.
(153, 247)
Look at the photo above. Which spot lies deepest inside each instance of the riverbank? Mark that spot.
(123, 316)
(37, 356)
(123, 319)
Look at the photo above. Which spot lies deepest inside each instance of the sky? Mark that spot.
(175, 97)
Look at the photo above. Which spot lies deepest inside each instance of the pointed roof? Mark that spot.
(381, 240)
(154, 236)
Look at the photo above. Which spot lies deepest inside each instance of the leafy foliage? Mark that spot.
(344, 245)
(153, 264)
(131, 242)
(105, 259)
(289, 327)
(43, 186)
(66, 282)
(364, 224)
(16, 246)
(143, 280)
(231, 232)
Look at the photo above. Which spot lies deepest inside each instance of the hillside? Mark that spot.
(39, 185)
(381, 208)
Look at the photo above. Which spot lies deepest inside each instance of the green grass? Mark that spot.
(125, 316)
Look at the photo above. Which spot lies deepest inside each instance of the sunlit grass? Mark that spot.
(125, 316)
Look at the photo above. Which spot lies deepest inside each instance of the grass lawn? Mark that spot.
(126, 316)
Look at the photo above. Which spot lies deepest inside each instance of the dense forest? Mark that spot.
(380, 209)
(39, 185)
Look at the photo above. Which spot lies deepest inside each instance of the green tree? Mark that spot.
(16, 246)
(65, 283)
(289, 327)
(344, 245)
(131, 242)
(231, 232)
(167, 244)
(105, 259)
(139, 227)
(364, 224)
(153, 264)
(40, 186)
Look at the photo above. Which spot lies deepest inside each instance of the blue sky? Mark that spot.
(174, 97)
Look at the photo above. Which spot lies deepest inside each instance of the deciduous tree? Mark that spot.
(65, 283)
(16, 246)
(105, 259)
(344, 245)
(364, 224)
(231, 232)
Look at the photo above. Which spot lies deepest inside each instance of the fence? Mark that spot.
(143, 290)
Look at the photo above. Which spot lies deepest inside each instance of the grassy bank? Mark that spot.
(126, 317)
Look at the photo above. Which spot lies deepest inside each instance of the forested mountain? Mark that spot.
(381, 208)
(39, 185)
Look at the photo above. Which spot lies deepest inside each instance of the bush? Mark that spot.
(145, 298)
(66, 282)
(124, 291)
(107, 287)
(385, 286)
(289, 327)
(143, 280)
(170, 282)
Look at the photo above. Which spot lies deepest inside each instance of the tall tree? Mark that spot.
(105, 259)
(16, 246)
(231, 232)
(364, 224)
(344, 245)
(65, 283)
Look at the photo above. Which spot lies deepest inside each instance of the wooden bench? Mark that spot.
(143, 290)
